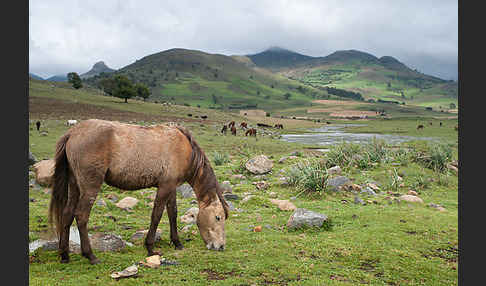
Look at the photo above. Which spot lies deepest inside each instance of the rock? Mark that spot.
(412, 192)
(44, 172)
(368, 191)
(112, 198)
(238, 177)
(438, 207)
(284, 205)
(247, 198)
(259, 165)
(303, 217)
(107, 242)
(411, 199)
(190, 216)
(272, 194)
(231, 206)
(231, 197)
(44, 133)
(127, 272)
(153, 261)
(32, 159)
(186, 191)
(453, 168)
(334, 170)
(359, 201)
(127, 203)
(257, 228)
(373, 186)
(101, 203)
(285, 158)
(261, 185)
(337, 183)
(355, 187)
(138, 235)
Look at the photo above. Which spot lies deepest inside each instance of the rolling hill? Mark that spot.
(34, 76)
(190, 77)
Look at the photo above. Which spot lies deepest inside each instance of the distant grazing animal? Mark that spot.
(204, 116)
(327, 122)
(233, 130)
(231, 124)
(251, 132)
(263, 125)
(420, 127)
(189, 114)
(279, 126)
(132, 157)
(71, 122)
(225, 128)
(244, 125)
(430, 123)
(440, 123)
(38, 124)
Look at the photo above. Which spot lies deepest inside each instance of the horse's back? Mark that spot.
(131, 156)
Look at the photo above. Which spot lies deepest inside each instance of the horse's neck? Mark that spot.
(204, 185)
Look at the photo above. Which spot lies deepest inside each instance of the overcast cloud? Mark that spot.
(67, 36)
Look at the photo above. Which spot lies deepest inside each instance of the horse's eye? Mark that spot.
(218, 218)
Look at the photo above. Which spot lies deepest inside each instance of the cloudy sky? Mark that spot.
(67, 36)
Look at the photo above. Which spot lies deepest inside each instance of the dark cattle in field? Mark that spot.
(190, 115)
(440, 123)
(225, 128)
(233, 130)
(420, 127)
(38, 124)
(263, 125)
(204, 116)
(251, 132)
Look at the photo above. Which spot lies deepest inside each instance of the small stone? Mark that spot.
(356, 187)
(411, 199)
(359, 201)
(247, 198)
(257, 228)
(261, 185)
(127, 272)
(438, 207)
(231, 197)
(373, 186)
(238, 177)
(412, 192)
(127, 203)
(153, 261)
(101, 203)
(111, 197)
(334, 170)
(272, 194)
(190, 216)
(284, 205)
(368, 191)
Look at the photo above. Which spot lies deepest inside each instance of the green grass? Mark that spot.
(376, 244)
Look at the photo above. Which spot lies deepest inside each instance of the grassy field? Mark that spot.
(379, 243)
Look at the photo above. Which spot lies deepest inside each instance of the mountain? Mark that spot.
(58, 77)
(194, 77)
(276, 58)
(34, 76)
(97, 69)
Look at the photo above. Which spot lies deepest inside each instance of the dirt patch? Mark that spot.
(48, 108)
(213, 275)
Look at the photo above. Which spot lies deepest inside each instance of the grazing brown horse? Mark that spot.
(225, 128)
(251, 132)
(244, 125)
(231, 124)
(420, 127)
(233, 130)
(132, 157)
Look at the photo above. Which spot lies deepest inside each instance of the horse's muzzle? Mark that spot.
(211, 246)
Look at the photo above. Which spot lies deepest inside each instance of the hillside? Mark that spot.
(59, 77)
(276, 58)
(34, 76)
(98, 68)
(194, 78)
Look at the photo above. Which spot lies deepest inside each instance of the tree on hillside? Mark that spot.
(75, 80)
(142, 90)
(123, 88)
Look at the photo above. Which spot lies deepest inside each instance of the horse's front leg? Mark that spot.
(159, 203)
(172, 213)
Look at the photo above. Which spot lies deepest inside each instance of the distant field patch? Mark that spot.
(352, 113)
(336, 102)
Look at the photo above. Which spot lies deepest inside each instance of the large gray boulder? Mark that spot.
(303, 217)
(337, 183)
(259, 165)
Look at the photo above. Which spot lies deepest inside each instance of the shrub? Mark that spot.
(434, 156)
(308, 176)
(220, 158)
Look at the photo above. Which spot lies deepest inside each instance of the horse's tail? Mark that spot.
(60, 184)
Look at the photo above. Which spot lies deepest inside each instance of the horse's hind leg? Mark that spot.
(82, 212)
(67, 220)
(172, 213)
(160, 201)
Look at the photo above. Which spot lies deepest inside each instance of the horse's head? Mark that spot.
(210, 221)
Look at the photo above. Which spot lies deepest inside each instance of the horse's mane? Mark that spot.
(208, 179)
